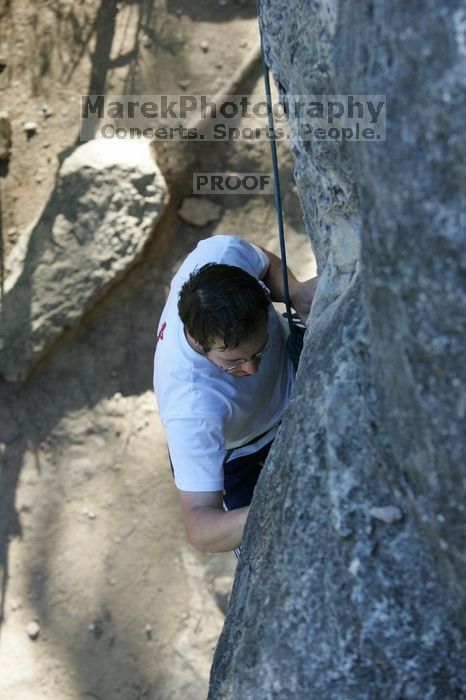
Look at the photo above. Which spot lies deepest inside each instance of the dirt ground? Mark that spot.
(91, 544)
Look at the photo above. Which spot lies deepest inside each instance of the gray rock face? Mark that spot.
(351, 584)
(108, 196)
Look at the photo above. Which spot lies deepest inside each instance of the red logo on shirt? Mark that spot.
(161, 332)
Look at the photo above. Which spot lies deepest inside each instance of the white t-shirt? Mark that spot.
(206, 412)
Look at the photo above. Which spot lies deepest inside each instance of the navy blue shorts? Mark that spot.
(240, 477)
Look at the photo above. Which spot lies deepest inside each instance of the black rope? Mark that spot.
(276, 187)
(295, 339)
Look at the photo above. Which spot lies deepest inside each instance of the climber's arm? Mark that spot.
(208, 526)
(301, 293)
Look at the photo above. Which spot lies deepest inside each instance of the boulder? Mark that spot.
(199, 212)
(351, 581)
(108, 196)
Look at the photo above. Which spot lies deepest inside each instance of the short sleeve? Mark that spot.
(245, 255)
(221, 248)
(197, 451)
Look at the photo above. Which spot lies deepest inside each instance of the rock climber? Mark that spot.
(222, 378)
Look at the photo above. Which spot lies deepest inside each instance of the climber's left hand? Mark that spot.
(302, 296)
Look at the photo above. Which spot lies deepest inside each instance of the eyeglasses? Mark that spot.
(237, 365)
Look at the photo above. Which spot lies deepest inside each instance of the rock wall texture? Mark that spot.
(351, 583)
(108, 196)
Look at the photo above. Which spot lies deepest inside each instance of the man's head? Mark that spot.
(223, 306)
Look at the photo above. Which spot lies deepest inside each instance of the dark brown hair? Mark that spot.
(222, 303)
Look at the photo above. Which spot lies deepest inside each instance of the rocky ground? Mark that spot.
(101, 595)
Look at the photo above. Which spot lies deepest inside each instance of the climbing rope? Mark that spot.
(276, 184)
(295, 339)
